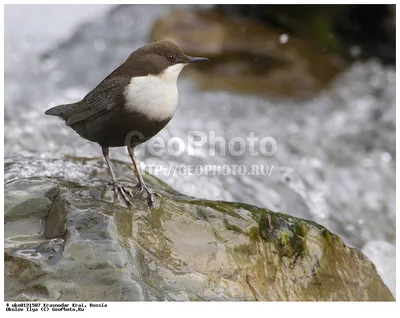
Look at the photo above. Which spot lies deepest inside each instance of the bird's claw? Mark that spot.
(120, 190)
(150, 195)
(140, 187)
(152, 199)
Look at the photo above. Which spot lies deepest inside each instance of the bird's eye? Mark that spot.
(170, 58)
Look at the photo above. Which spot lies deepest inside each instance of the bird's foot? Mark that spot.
(121, 190)
(150, 195)
(140, 187)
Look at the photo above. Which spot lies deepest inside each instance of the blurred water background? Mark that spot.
(335, 162)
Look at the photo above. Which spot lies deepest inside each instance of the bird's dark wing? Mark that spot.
(106, 97)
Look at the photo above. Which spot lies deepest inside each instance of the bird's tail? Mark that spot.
(62, 111)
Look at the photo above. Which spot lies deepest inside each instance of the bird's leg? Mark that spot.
(141, 185)
(118, 188)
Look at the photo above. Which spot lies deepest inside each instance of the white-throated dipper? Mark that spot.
(130, 105)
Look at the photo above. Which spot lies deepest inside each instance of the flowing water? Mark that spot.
(335, 161)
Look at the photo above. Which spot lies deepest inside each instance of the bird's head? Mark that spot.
(161, 58)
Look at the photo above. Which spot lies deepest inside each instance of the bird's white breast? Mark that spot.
(155, 96)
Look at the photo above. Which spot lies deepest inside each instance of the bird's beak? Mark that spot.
(196, 59)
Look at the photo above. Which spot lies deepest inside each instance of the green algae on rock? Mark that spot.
(92, 248)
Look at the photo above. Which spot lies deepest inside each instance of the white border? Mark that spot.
(220, 309)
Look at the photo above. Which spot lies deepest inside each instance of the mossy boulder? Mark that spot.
(67, 239)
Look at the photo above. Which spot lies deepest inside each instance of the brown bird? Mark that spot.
(130, 105)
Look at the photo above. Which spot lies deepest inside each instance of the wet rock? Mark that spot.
(247, 55)
(78, 244)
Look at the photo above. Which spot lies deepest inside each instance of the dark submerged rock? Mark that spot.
(247, 55)
(279, 50)
(66, 239)
(334, 28)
